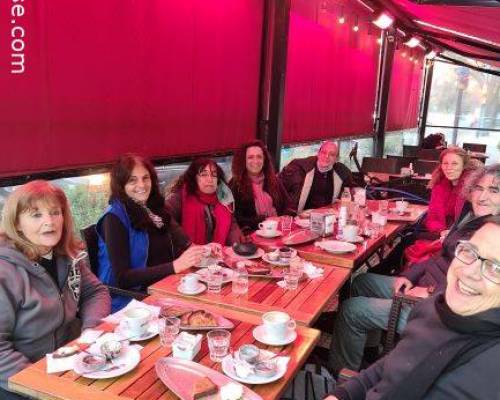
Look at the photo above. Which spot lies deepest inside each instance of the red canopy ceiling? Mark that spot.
(480, 22)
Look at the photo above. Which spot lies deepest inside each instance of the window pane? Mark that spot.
(464, 97)
(394, 141)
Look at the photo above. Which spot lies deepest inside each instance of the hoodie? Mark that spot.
(37, 316)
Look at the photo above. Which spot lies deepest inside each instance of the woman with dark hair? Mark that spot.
(139, 243)
(434, 141)
(201, 203)
(257, 192)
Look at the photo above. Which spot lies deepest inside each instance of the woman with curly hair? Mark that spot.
(447, 183)
(139, 243)
(201, 203)
(257, 192)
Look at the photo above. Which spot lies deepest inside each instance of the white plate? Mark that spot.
(259, 333)
(226, 272)
(228, 368)
(125, 362)
(358, 239)
(201, 288)
(258, 254)
(279, 262)
(264, 234)
(151, 332)
(180, 376)
(336, 247)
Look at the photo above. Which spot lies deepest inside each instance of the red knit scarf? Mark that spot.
(193, 217)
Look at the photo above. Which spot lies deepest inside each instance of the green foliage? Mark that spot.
(86, 206)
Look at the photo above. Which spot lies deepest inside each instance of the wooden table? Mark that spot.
(304, 304)
(142, 383)
(363, 250)
(385, 176)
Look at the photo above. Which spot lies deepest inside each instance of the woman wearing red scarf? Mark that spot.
(195, 202)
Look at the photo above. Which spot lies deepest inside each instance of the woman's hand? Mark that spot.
(400, 282)
(191, 257)
(215, 250)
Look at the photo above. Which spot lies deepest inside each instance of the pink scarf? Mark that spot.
(193, 217)
(263, 201)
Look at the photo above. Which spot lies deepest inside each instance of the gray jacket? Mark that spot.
(36, 316)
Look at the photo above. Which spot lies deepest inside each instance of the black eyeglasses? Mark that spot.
(467, 254)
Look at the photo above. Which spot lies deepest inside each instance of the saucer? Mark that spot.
(265, 234)
(201, 288)
(259, 333)
(358, 239)
(151, 332)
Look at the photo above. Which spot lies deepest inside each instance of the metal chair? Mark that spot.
(429, 154)
(375, 164)
(402, 161)
(422, 167)
(410, 151)
(89, 234)
(476, 147)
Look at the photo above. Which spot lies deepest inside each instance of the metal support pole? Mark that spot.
(383, 86)
(424, 104)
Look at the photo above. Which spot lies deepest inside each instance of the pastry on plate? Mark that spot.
(204, 387)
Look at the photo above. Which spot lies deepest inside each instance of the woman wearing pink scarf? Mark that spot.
(257, 192)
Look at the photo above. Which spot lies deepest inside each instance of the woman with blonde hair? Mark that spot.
(447, 184)
(47, 293)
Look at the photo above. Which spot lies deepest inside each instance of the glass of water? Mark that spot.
(168, 329)
(214, 281)
(218, 344)
(291, 280)
(286, 223)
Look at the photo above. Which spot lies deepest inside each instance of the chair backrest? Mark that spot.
(410, 151)
(375, 164)
(89, 234)
(402, 161)
(422, 167)
(477, 147)
(429, 154)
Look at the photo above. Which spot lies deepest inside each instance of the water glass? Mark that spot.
(214, 281)
(218, 344)
(291, 280)
(383, 206)
(286, 223)
(297, 266)
(168, 329)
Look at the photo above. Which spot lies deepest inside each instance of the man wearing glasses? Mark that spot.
(451, 344)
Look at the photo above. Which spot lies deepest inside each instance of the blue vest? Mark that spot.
(138, 242)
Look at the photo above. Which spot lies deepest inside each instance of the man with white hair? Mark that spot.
(316, 181)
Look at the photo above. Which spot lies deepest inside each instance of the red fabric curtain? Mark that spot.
(332, 72)
(101, 78)
(405, 90)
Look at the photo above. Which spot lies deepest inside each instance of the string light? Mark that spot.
(341, 15)
(384, 20)
(355, 28)
(413, 42)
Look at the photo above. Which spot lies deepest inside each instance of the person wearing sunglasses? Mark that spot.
(451, 344)
(369, 307)
(202, 203)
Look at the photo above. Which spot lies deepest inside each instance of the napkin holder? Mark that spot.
(186, 346)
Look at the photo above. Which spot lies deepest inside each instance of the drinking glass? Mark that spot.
(214, 281)
(168, 328)
(383, 206)
(218, 344)
(297, 266)
(291, 280)
(286, 223)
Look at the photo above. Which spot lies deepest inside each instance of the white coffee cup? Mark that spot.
(350, 232)
(189, 282)
(269, 226)
(277, 324)
(401, 206)
(135, 320)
